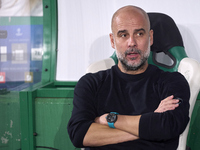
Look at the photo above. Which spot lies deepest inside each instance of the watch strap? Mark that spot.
(111, 124)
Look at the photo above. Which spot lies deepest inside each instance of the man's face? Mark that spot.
(132, 40)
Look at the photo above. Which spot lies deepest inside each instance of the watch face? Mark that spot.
(111, 117)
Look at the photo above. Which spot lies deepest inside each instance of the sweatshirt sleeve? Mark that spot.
(170, 124)
(83, 113)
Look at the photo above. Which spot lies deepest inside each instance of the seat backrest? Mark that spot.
(168, 53)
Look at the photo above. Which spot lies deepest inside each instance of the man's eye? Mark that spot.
(139, 34)
(123, 35)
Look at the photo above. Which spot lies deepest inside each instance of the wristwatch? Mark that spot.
(111, 119)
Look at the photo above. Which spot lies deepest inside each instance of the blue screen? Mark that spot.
(20, 55)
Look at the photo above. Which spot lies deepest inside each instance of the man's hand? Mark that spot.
(101, 120)
(167, 104)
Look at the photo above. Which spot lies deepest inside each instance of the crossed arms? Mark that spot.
(126, 127)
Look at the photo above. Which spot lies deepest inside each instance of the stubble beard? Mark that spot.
(133, 66)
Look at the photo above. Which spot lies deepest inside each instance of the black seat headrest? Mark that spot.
(166, 33)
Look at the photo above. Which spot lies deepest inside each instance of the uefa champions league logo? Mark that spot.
(18, 32)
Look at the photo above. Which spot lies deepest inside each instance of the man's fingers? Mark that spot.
(167, 104)
(171, 101)
(169, 97)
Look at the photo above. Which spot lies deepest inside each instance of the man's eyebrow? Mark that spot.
(141, 29)
(136, 30)
(121, 31)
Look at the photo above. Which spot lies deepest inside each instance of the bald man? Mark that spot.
(133, 105)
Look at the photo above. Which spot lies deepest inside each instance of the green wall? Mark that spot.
(10, 133)
(51, 118)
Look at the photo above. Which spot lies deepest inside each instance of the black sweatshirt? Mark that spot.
(114, 91)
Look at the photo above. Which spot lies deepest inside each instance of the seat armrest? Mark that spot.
(190, 68)
(100, 65)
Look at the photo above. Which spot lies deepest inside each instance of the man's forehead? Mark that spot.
(129, 25)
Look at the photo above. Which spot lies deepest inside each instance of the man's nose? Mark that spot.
(132, 41)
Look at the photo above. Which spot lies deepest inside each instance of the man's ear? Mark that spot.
(151, 37)
(112, 40)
